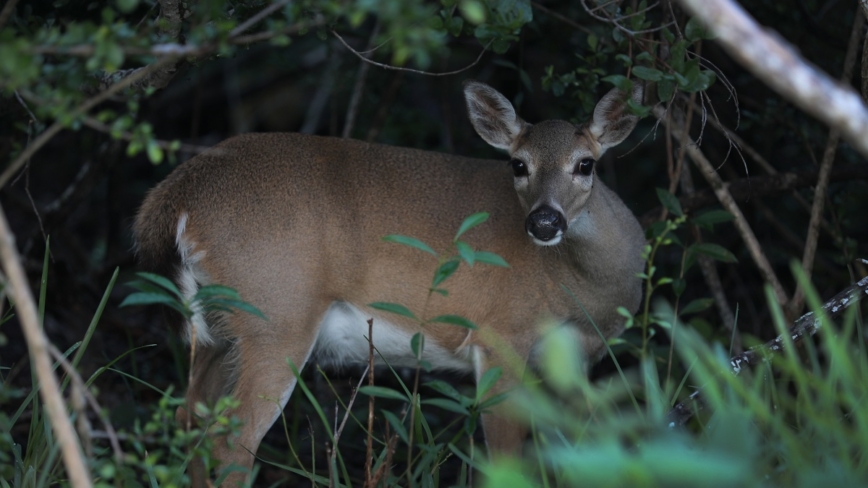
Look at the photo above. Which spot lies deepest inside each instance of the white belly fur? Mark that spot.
(342, 340)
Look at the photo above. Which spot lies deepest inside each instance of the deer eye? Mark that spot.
(584, 167)
(518, 168)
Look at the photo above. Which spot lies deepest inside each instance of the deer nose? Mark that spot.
(545, 223)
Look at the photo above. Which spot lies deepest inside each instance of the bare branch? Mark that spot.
(795, 305)
(563, 18)
(763, 185)
(779, 66)
(361, 77)
(38, 346)
(807, 325)
(722, 192)
(398, 68)
(274, 7)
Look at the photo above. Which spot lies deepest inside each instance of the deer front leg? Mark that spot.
(505, 432)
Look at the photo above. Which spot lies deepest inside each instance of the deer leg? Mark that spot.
(210, 377)
(263, 384)
(504, 432)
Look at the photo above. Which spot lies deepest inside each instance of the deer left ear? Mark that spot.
(612, 123)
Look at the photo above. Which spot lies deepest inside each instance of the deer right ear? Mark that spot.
(492, 115)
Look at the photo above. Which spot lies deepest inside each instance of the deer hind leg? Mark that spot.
(209, 380)
(263, 382)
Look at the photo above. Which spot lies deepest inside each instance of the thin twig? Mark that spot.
(562, 18)
(807, 325)
(722, 192)
(274, 7)
(795, 305)
(91, 400)
(398, 68)
(369, 480)
(358, 88)
(783, 69)
(38, 345)
(762, 185)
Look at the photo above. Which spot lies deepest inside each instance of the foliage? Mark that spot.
(795, 421)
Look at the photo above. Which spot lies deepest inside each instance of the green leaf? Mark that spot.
(155, 152)
(447, 404)
(409, 241)
(488, 379)
(417, 344)
(148, 298)
(444, 271)
(383, 392)
(669, 201)
(695, 31)
(708, 219)
(161, 281)
(649, 74)
(396, 424)
(454, 320)
(697, 305)
(713, 251)
(471, 222)
(490, 258)
(393, 308)
(621, 82)
(665, 89)
(446, 389)
(473, 11)
(466, 252)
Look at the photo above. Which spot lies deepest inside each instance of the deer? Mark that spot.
(295, 223)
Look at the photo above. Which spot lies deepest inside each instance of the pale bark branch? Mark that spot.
(722, 192)
(38, 345)
(805, 326)
(795, 305)
(777, 64)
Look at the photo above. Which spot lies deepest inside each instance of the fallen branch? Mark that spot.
(805, 326)
(779, 65)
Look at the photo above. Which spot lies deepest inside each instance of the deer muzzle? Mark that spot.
(546, 225)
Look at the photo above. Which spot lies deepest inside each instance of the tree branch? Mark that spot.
(38, 346)
(779, 66)
(722, 192)
(807, 325)
(757, 186)
(795, 305)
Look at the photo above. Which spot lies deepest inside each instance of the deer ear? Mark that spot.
(612, 123)
(492, 115)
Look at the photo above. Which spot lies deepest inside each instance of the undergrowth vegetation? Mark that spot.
(797, 419)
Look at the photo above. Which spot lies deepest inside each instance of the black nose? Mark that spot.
(545, 223)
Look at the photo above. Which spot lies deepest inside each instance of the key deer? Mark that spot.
(294, 223)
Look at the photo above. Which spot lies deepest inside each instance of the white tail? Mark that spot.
(295, 222)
